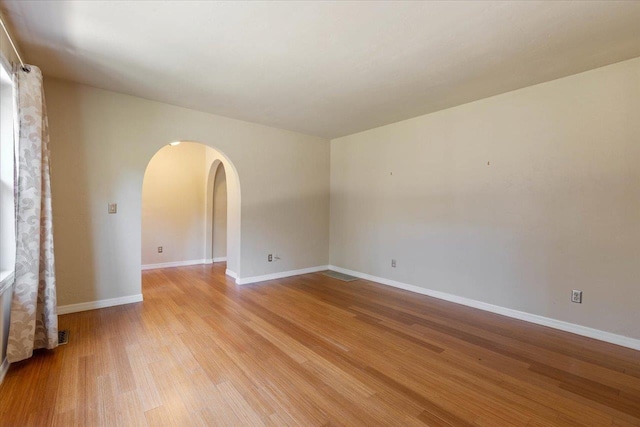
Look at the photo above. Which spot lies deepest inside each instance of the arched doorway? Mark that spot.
(216, 213)
(177, 207)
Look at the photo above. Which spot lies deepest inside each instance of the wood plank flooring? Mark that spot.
(309, 351)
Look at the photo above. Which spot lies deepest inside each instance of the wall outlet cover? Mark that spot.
(576, 296)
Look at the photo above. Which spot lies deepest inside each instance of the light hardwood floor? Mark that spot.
(311, 350)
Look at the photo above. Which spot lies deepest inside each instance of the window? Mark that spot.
(7, 207)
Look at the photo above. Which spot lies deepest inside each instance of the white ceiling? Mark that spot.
(322, 68)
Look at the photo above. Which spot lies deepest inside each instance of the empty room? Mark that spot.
(315, 213)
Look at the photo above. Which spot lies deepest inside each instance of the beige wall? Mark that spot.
(5, 46)
(173, 198)
(557, 208)
(101, 143)
(219, 236)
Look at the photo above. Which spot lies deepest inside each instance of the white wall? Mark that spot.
(173, 198)
(557, 208)
(101, 143)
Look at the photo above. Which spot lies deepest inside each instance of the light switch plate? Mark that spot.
(113, 208)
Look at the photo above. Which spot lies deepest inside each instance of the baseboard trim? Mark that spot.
(516, 314)
(3, 369)
(280, 275)
(104, 303)
(218, 259)
(231, 274)
(175, 264)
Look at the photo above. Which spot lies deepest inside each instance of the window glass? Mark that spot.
(7, 209)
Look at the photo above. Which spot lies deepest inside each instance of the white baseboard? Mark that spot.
(521, 315)
(3, 369)
(217, 259)
(231, 273)
(92, 305)
(280, 275)
(174, 264)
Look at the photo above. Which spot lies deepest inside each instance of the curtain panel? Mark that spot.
(34, 318)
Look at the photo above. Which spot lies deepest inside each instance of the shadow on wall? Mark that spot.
(178, 207)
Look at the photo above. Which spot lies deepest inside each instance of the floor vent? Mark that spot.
(63, 337)
(339, 276)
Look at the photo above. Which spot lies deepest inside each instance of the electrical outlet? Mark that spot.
(393, 263)
(159, 249)
(576, 296)
(270, 257)
(112, 208)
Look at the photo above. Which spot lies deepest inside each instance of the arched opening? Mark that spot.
(181, 221)
(216, 213)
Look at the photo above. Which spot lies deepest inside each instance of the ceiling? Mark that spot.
(322, 68)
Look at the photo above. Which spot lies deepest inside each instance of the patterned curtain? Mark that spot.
(34, 317)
